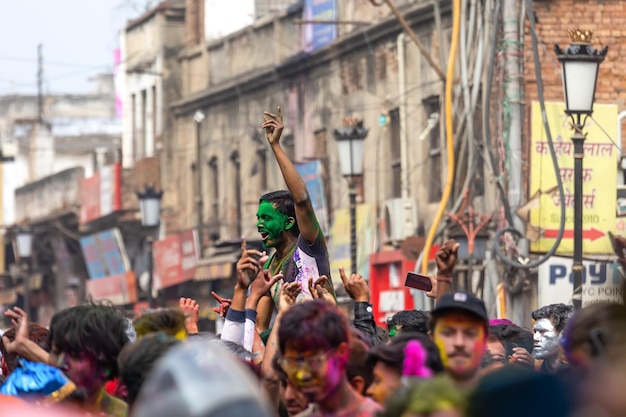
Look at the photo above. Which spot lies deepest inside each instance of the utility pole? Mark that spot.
(519, 309)
(40, 83)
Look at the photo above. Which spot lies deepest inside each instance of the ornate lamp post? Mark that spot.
(350, 140)
(580, 63)
(150, 207)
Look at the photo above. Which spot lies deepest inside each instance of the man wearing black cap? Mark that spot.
(459, 327)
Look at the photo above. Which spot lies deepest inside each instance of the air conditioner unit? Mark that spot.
(400, 219)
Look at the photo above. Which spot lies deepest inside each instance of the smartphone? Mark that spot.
(418, 282)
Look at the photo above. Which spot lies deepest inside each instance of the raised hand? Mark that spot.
(249, 264)
(273, 125)
(263, 282)
(288, 295)
(19, 318)
(446, 258)
(191, 308)
(319, 289)
(225, 303)
(355, 286)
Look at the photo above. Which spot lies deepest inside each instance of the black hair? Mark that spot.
(167, 320)
(314, 324)
(412, 321)
(595, 328)
(93, 329)
(558, 314)
(392, 354)
(36, 333)
(511, 336)
(283, 201)
(137, 360)
(358, 364)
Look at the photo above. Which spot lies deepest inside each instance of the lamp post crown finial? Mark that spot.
(580, 36)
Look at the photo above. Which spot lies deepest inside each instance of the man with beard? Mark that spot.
(313, 340)
(550, 321)
(287, 222)
(86, 341)
(459, 327)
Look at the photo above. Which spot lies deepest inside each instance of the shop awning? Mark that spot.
(218, 266)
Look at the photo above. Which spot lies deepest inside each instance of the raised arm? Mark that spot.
(305, 215)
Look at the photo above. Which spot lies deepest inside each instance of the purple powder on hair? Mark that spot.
(499, 322)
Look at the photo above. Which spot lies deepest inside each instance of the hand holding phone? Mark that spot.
(418, 282)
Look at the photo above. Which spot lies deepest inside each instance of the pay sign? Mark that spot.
(601, 282)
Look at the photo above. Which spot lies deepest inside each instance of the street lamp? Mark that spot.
(580, 63)
(23, 247)
(150, 207)
(350, 140)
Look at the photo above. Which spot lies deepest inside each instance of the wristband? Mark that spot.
(440, 278)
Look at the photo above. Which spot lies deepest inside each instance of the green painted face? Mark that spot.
(271, 224)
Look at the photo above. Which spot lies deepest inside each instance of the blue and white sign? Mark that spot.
(602, 282)
(319, 35)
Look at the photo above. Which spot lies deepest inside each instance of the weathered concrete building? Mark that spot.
(151, 79)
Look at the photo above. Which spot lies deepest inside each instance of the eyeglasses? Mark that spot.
(313, 363)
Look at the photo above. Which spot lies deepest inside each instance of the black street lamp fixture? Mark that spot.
(580, 63)
(350, 139)
(23, 246)
(150, 207)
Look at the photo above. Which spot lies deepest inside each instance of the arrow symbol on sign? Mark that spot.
(591, 234)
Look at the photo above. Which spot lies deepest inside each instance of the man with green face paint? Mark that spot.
(287, 222)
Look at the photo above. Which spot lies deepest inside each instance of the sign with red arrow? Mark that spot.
(590, 234)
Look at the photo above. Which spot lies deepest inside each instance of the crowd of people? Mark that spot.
(286, 349)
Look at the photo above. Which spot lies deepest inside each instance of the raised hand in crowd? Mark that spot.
(288, 295)
(273, 125)
(521, 356)
(445, 259)
(191, 308)
(249, 264)
(260, 286)
(319, 289)
(356, 286)
(22, 345)
(224, 304)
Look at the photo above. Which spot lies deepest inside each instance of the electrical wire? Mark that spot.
(486, 114)
(456, 21)
(500, 233)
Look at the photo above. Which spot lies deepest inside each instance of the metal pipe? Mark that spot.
(330, 22)
(404, 136)
(579, 140)
(149, 242)
(620, 117)
(26, 284)
(199, 199)
(424, 51)
(353, 242)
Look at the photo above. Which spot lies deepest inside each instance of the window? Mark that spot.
(431, 108)
(154, 118)
(395, 154)
(261, 168)
(214, 190)
(144, 122)
(289, 147)
(133, 131)
(236, 186)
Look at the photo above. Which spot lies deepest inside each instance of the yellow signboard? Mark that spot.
(599, 179)
(340, 240)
